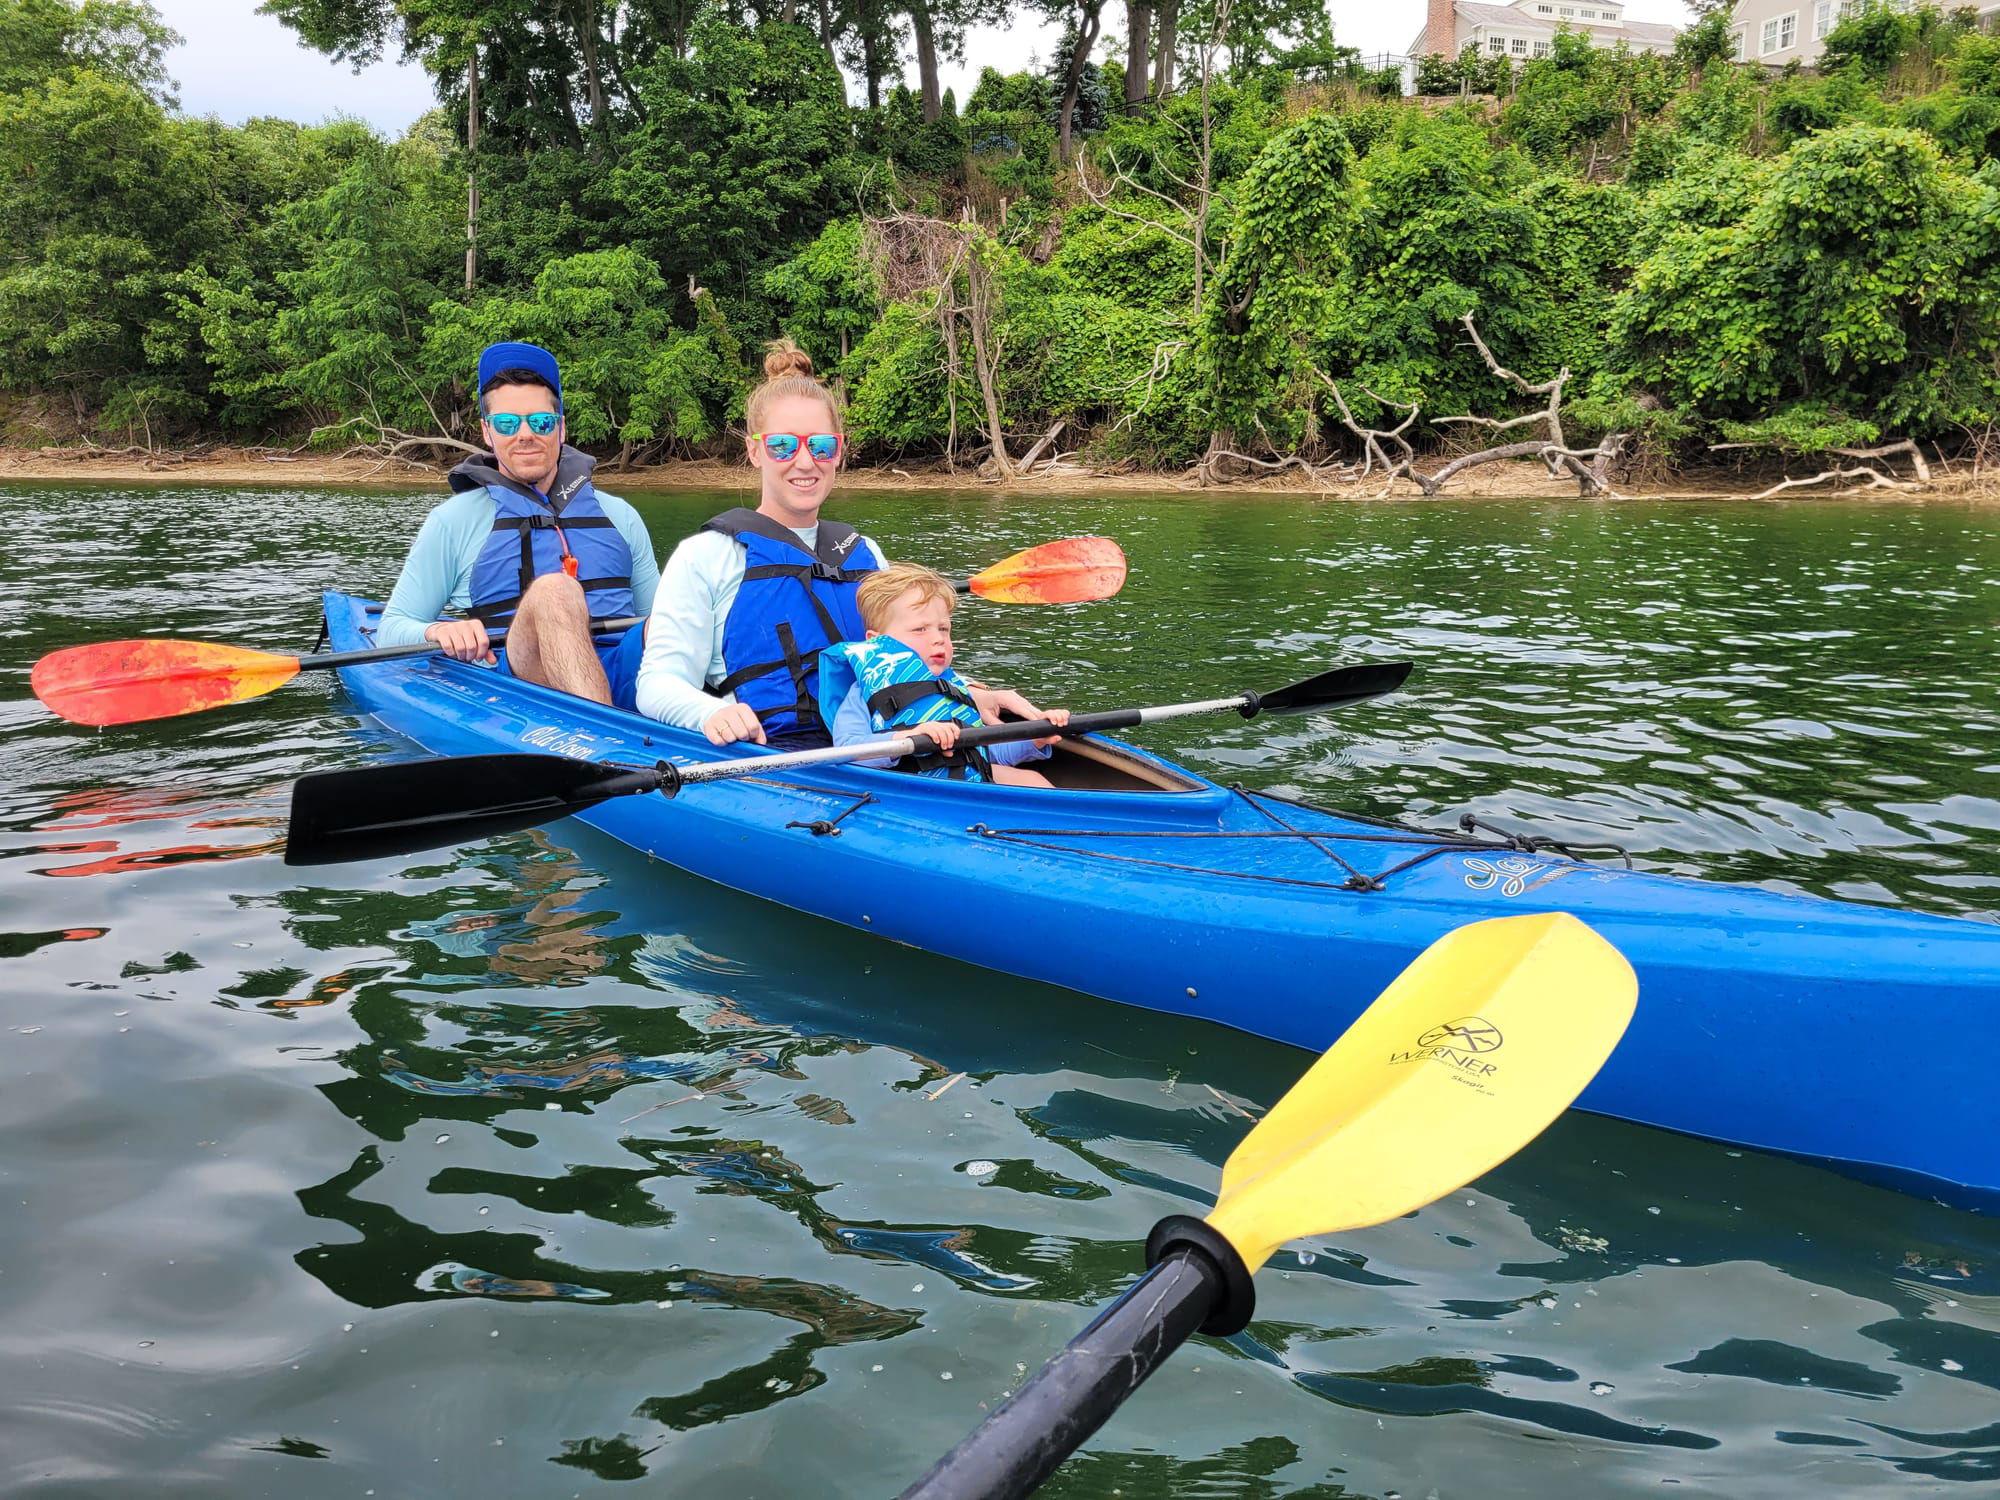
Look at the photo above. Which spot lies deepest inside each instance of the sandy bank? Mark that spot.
(239, 466)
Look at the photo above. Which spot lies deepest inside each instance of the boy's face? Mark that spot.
(924, 625)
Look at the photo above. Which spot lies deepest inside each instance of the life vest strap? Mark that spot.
(801, 666)
(893, 699)
(955, 763)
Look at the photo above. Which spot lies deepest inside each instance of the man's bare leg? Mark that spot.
(548, 640)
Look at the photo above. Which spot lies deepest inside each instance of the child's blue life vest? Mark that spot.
(901, 691)
(565, 531)
(792, 605)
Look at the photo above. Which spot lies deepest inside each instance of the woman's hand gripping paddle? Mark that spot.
(1476, 1047)
(132, 682)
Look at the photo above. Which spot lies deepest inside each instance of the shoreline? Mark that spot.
(1518, 479)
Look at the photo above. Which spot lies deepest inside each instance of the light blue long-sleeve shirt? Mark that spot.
(684, 636)
(437, 575)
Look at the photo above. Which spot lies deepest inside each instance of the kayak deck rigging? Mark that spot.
(1431, 843)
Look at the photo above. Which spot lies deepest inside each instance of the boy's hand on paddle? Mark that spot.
(1057, 717)
(941, 732)
(461, 640)
(734, 724)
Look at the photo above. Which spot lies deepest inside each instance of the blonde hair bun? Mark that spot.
(784, 359)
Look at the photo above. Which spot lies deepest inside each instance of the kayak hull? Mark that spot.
(1857, 1036)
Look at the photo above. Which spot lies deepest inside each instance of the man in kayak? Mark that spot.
(747, 603)
(899, 680)
(528, 544)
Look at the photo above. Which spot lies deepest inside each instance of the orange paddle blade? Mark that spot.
(128, 682)
(1071, 571)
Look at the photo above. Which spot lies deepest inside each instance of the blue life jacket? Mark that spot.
(533, 534)
(901, 691)
(792, 605)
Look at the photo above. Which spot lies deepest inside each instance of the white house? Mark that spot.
(1775, 32)
(1527, 28)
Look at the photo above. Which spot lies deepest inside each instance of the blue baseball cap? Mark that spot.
(497, 357)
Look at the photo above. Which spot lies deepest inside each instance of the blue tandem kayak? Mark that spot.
(1857, 1036)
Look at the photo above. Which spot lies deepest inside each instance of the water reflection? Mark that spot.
(612, 1166)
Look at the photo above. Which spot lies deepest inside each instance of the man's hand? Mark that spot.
(461, 640)
(941, 732)
(734, 724)
(991, 704)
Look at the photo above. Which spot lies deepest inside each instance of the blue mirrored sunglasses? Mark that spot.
(507, 423)
(824, 446)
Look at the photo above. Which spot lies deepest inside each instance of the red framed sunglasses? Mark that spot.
(784, 446)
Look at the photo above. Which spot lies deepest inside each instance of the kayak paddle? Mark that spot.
(407, 806)
(1465, 1058)
(130, 682)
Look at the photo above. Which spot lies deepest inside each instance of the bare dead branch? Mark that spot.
(1877, 480)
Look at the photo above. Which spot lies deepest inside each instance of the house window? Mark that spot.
(1565, 11)
(1780, 32)
(1825, 14)
(1496, 44)
(1545, 10)
(1541, 49)
(1520, 47)
(1742, 35)
(1588, 15)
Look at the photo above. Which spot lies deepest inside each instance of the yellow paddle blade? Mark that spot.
(1464, 1059)
(1071, 571)
(127, 682)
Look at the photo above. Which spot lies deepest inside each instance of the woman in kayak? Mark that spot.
(746, 604)
(900, 680)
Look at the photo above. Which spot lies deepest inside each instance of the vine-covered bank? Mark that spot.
(1218, 240)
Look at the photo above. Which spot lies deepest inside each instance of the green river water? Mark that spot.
(336, 1183)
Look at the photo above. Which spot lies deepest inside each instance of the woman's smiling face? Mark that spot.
(792, 491)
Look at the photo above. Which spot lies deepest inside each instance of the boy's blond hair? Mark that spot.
(880, 590)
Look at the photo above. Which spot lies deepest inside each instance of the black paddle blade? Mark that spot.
(410, 806)
(1331, 689)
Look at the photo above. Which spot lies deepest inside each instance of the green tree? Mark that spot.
(629, 375)
(824, 295)
(377, 249)
(743, 156)
(1273, 291)
(1443, 231)
(1860, 275)
(120, 40)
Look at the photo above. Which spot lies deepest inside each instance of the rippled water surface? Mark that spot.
(535, 1168)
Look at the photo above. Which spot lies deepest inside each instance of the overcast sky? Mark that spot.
(236, 63)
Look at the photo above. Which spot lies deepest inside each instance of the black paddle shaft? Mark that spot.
(1075, 1393)
(1198, 1283)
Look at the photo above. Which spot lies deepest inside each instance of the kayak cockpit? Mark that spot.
(1104, 766)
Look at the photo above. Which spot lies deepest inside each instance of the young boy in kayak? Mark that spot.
(899, 680)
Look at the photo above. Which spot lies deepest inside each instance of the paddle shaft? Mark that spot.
(1075, 1393)
(972, 736)
(336, 659)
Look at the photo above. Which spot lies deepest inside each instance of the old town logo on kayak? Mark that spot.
(1458, 1045)
(573, 743)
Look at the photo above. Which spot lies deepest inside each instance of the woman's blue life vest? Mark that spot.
(901, 691)
(535, 534)
(791, 606)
